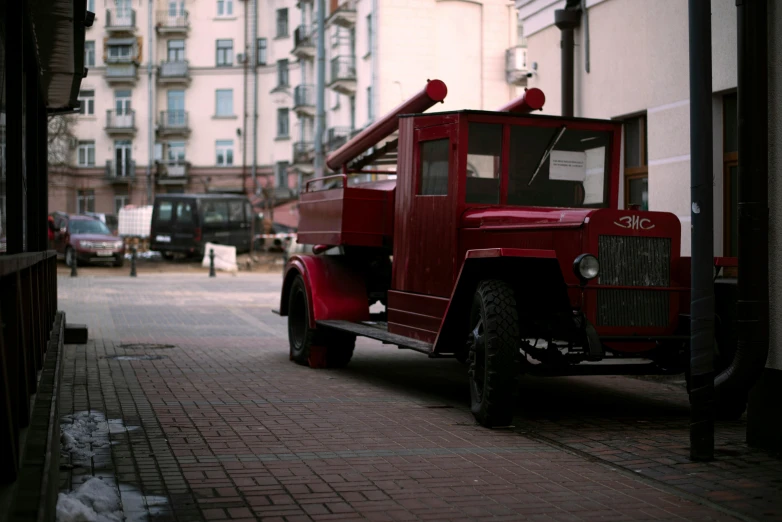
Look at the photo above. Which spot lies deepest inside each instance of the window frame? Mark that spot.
(283, 73)
(440, 132)
(89, 54)
(640, 171)
(261, 51)
(227, 52)
(287, 120)
(227, 7)
(176, 50)
(281, 174)
(89, 108)
(87, 146)
(85, 198)
(282, 23)
(120, 197)
(230, 93)
(226, 147)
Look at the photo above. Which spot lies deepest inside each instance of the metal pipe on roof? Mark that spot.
(434, 92)
(532, 100)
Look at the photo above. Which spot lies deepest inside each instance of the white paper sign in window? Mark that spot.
(567, 165)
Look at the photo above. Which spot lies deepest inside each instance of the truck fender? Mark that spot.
(524, 269)
(335, 290)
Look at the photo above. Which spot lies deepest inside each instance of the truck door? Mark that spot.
(432, 233)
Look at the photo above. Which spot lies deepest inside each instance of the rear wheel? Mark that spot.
(493, 352)
(304, 341)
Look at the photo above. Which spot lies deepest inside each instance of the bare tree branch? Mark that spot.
(61, 139)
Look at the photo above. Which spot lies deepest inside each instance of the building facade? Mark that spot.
(220, 95)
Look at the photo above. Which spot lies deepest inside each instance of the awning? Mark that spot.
(58, 32)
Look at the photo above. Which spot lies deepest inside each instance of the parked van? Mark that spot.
(184, 223)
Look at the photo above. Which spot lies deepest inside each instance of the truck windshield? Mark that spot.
(558, 167)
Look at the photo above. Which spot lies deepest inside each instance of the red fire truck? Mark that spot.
(500, 243)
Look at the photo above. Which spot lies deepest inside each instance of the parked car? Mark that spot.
(86, 239)
(184, 223)
(110, 220)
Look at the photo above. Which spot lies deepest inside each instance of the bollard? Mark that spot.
(212, 262)
(133, 262)
(74, 262)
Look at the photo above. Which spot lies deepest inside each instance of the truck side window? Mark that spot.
(484, 150)
(184, 212)
(236, 211)
(215, 212)
(165, 211)
(434, 168)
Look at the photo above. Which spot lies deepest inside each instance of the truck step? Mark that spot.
(379, 332)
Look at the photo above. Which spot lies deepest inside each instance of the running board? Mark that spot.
(379, 332)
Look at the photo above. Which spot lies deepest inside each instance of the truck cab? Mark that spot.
(500, 243)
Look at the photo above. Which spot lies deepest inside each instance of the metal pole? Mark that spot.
(212, 262)
(133, 256)
(567, 20)
(151, 118)
(255, 99)
(702, 242)
(320, 103)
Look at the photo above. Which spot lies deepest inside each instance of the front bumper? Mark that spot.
(103, 256)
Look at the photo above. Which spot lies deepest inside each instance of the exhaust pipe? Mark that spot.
(567, 20)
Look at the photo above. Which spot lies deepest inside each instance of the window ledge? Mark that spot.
(229, 117)
(224, 166)
(281, 88)
(282, 36)
(224, 18)
(367, 55)
(282, 138)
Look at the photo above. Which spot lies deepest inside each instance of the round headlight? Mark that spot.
(586, 267)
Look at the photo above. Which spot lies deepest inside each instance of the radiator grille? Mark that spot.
(633, 261)
(638, 308)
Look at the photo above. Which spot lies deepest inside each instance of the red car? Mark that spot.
(87, 239)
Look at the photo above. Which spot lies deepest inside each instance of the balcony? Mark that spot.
(120, 21)
(303, 153)
(337, 137)
(173, 123)
(118, 72)
(303, 43)
(174, 73)
(121, 124)
(344, 15)
(343, 75)
(516, 69)
(176, 24)
(304, 100)
(172, 172)
(124, 172)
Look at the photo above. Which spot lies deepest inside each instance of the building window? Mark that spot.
(636, 167)
(282, 73)
(87, 102)
(369, 34)
(120, 53)
(176, 152)
(225, 7)
(120, 202)
(225, 53)
(176, 50)
(261, 58)
(225, 102)
(281, 173)
(370, 105)
(225, 153)
(283, 123)
(86, 154)
(89, 54)
(730, 169)
(85, 201)
(282, 23)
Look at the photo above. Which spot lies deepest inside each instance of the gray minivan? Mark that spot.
(184, 223)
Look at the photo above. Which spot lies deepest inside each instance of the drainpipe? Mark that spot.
(375, 57)
(320, 102)
(702, 241)
(567, 20)
(151, 139)
(244, 100)
(254, 170)
(752, 308)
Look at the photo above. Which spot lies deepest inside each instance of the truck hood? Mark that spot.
(515, 217)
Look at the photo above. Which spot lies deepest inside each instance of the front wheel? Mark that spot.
(493, 352)
(311, 347)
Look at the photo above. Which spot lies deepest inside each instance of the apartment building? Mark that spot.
(220, 95)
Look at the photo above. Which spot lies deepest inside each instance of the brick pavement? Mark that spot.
(230, 429)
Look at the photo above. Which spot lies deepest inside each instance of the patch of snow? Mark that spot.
(93, 501)
(86, 430)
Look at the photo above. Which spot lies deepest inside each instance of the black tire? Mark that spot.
(119, 263)
(168, 256)
(69, 256)
(300, 336)
(494, 348)
(339, 346)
